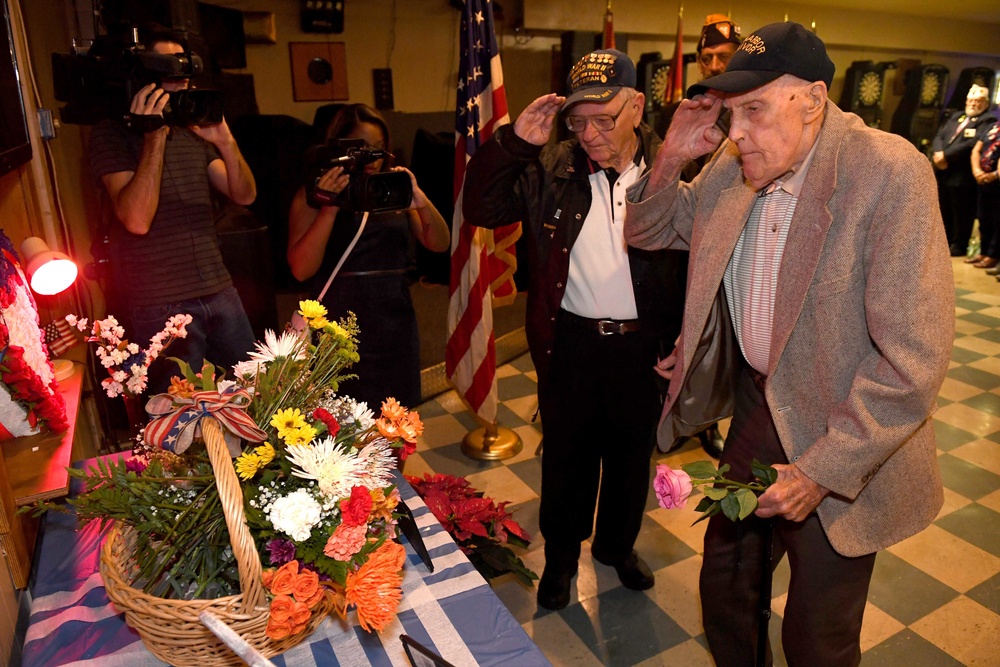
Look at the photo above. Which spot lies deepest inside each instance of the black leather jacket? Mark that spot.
(547, 189)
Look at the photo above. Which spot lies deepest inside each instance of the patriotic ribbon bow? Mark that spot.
(174, 422)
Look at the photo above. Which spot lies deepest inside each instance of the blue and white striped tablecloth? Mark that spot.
(452, 611)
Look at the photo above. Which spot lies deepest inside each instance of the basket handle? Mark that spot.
(231, 495)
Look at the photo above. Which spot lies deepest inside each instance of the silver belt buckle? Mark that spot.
(608, 327)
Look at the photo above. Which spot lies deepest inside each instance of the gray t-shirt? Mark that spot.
(179, 257)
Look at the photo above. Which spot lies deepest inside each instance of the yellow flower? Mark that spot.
(299, 436)
(312, 309)
(319, 323)
(247, 465)
(335, 329)
(266, 453)
(289, 419)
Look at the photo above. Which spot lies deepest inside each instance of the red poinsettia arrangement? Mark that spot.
(482, 528)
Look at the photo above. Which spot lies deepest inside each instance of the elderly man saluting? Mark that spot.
(821, 240)
(598, 311)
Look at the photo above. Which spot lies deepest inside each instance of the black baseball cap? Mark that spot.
(598, 77)
(775, 49)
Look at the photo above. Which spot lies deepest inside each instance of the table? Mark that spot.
(452, 611)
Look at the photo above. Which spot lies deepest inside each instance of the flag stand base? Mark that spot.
(491, 443)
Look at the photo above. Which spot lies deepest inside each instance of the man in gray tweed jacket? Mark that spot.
(821, 240)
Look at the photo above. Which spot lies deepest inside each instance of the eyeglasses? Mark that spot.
(602, 123)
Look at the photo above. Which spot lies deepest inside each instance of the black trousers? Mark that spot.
(827, 592)
(958, 210)
(598, 413)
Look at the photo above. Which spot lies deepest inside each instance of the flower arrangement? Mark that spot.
(29, 396)
(481, 528)
(316, 471)
(736, 500)
(127, 364)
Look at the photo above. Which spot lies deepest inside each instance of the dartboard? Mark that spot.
(870, 89)
(930, 86)
(660, 85)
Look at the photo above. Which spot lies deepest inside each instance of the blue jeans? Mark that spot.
(219, 333)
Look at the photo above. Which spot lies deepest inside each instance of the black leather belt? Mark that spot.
(382, 272)
(603, 327)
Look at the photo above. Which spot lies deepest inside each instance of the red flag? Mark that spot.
(676, 91)
(608, 41)
(480, 258)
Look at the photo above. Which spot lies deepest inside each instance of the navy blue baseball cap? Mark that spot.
(598, 77)
(775, 49)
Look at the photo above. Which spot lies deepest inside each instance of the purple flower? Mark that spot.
(136, 464)
(281, 551)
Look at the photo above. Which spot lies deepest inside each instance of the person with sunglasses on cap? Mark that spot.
(597, 310)
(719, 40)
(821, 240)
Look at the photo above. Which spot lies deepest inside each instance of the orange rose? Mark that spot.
(267, 576)
(298, 628)
(284, 579)
(306, 585)
(282, 608)
(300, 614)
(315, 599)
(278, 631)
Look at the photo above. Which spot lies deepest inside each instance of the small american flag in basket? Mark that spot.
(60, 336)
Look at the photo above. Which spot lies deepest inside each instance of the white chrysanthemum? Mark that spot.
(363, 416)
(248, 370)
(295, 514)
(287, 345)
(334, 470)
(377, 463)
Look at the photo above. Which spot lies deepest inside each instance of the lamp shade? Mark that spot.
(49, 271)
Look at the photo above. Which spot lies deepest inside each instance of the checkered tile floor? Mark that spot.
(934, 599)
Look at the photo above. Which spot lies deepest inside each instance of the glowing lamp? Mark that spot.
(49, 271)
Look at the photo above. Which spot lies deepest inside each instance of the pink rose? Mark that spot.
(672, 487)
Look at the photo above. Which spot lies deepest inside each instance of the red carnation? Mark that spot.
(357, 508)
(331, 423)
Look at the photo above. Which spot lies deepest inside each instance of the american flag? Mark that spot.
(481, 260)
(676, 91)
(60, 336)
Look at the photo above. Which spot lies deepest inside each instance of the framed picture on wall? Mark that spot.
(319, 71)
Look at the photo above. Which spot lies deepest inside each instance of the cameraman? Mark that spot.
(372, 282)
(165, 253)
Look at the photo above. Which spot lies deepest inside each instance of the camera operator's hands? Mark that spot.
(534, 125)
(149, 101)
(217, 134)
(335, 180)
(419, 199)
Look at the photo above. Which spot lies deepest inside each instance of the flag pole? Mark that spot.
(491, 443)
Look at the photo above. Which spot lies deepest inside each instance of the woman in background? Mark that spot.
(372, 283)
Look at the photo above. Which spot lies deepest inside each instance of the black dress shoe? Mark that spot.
(633, 572)
(712, 441)
(553, 589)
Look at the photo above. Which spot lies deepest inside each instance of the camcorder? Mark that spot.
(100, 81)
(381, 191)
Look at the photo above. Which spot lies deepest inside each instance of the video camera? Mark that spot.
(100, 81)
(382, 191)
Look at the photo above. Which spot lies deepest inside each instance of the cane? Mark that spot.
(764, 604)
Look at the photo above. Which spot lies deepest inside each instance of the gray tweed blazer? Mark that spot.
(863, 319)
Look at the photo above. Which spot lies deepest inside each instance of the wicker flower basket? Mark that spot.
(171, 629)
